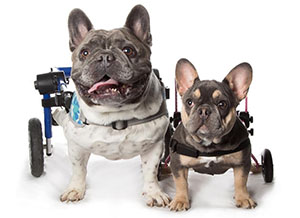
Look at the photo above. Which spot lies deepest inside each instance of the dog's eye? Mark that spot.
(84, 53)
(222, 105)
(130, 52)
(190, 102)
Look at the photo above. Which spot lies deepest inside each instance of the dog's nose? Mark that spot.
(204, 112)
(106, 59)
(110, 58)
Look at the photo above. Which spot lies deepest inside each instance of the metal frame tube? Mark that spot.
(48, 126)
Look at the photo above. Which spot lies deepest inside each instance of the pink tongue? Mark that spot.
(99, 84)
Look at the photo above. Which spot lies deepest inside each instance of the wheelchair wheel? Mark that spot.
(267, 165)
(36, 153)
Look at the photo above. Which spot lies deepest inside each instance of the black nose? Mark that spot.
(204, 112)
(106, 59)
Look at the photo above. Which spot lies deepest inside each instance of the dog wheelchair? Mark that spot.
(265, 167)
(51, 87)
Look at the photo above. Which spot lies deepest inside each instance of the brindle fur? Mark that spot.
(222, 130)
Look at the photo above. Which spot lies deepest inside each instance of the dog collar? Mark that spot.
(78, 117)
(192, 152)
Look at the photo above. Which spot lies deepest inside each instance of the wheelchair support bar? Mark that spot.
(48, 124)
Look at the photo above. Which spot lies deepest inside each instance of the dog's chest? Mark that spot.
(200, 161)
(212, 165)
(117, 144)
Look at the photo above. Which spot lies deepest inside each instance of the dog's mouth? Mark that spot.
(109, 91)
(108, 86)
(207, 130)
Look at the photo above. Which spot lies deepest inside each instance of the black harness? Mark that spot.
(192, 152)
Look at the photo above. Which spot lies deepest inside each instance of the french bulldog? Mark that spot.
(211, 138)
(115, 87)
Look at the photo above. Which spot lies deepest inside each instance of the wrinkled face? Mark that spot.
(209, 107)
(111, 67)
(209, 110)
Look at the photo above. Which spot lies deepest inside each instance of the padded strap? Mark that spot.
(192, 152)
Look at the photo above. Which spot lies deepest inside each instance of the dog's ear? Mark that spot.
(138, 21)
(79, 25)
(185, 75)
(239, 80)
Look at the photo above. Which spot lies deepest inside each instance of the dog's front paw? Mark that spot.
(179, 204)
(158, 198)
(246, 203)
(72, 195)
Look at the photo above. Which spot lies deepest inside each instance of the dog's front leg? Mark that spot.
(242, 196)
(181, 200)
(151, 191)
(79, 158)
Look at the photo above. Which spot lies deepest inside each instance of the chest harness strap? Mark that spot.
(192, 152)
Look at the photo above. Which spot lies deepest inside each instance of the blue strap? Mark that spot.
(75, 110)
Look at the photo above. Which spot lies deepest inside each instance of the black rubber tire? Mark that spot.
(267, 166)
(36, 150)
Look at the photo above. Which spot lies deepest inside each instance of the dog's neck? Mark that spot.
(149, 105)
(231, 140)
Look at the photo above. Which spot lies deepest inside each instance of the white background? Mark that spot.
(215, 36)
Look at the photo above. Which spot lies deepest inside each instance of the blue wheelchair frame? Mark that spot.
(47, 109)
